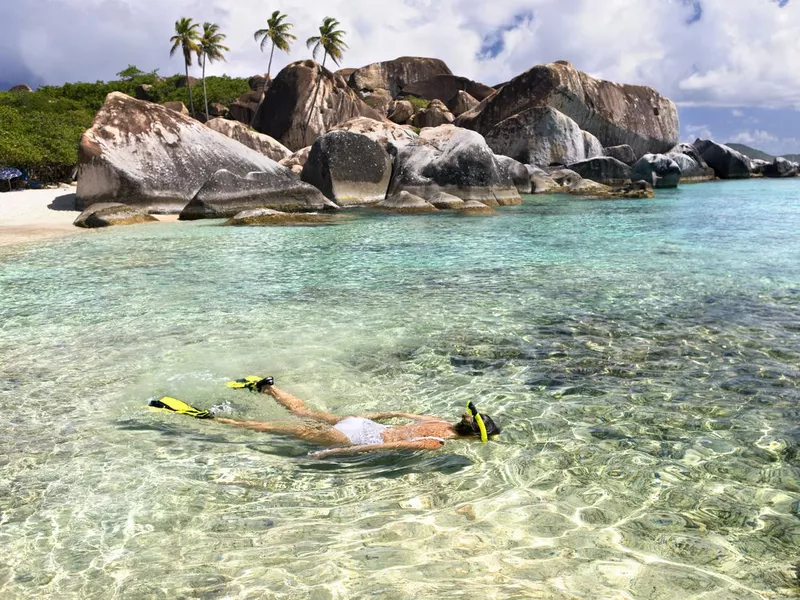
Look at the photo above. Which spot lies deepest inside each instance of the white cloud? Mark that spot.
(735, 55)
(698, 131)
(737, 113)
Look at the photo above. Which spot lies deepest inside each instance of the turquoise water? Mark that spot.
(642, 357)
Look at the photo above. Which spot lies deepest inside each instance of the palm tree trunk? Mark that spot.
(271, 52)
(314, 101)
(205, 96)
(189, 85)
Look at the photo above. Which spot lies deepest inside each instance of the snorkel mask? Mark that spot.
(479, 420)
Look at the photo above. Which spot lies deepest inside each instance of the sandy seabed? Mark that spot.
(31, 215)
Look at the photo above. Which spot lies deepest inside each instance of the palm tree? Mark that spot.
(186, 38)
(211, 49)
(330, 40)
(277, 31)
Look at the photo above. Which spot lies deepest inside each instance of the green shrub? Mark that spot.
(418, 103)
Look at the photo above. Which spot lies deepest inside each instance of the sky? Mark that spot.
(728, 64)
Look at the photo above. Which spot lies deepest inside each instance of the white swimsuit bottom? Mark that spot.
(361, 431)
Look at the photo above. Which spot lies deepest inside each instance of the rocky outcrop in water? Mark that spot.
(252, 139)
(304, 101)
(106, 214)
(406, 203)
(444, 201)
(387, 134)
(518, 173)
(541, 182)
(658, 170)
(267, 216)
(226, 194)
(693, 168)
(473, 208)
(726, 162)
(614, 113)
(456, 161)
(382, 82)
(145, 155)
(541, 136)
(348, 168)
(603, 169)
(780, 167)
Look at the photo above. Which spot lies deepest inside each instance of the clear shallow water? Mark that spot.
(641, 355)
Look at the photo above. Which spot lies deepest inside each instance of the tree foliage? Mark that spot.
(277, 32)
(329, 40)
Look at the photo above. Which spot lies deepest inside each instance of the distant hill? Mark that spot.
(753, 153)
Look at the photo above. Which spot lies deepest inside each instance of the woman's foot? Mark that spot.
(264, 385)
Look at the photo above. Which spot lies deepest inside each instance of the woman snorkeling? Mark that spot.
(349, 435)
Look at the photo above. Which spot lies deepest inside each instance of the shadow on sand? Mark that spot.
(64, 202)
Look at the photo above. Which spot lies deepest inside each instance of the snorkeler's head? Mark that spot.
(470, 424)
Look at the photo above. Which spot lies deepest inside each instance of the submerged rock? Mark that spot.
(348, 168)
(226, 194)
(304, 101)
(406, 203)
(474, 208)
(541, 182)
(658, 170)
(252, 139)
(445, 201)
(726, 162)
(781, 168)
(518, 173)
(540, 136)
(614, 113)
(267, 216)
(456, 161)
(603, 169)
(145, 155)
(106, 214)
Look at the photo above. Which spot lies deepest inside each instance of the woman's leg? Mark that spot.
(317, 434)
(298, 407)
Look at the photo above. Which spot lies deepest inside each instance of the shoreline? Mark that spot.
(28, 216)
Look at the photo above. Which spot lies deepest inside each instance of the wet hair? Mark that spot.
(466, 429)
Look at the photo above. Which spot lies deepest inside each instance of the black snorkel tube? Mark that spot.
(479, 420)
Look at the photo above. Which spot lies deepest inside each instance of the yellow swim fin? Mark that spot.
(180, 407)
(248, 382)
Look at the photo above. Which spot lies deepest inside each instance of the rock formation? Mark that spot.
(22, 87)
(541, 182)
(659, 170)
(177, 106)
(726, 162)
(388, 135)
(518, 173)
(614, 113)
(106, 214)
(475, 208)
(540, 136)
(304, 101)
(693, 168)
(436, 114)
(400, 111)
(259, 83)
(382, 82)
(252, 139)
(445, 201)
(405, 203)
(245, 108)
(461, 103)
(456, 161)
(781, 168)
(145, 155)
(296, 161)
(267, 216)
(603, 169)
(225, 194)
(445, 88)
(348, 168)
(623, 153)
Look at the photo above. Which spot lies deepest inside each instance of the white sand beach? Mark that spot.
(31, 215)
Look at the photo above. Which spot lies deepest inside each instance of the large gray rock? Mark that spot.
(145, 155)
(614, 113)
(348, 168)
(623, 153)
(518, 173)
(659, 170)
(693, 168)
(389, 135)
(259, 83)
(541, 136)
(461, 103)
(296, 161)
(304, 101)
(267, 216)
(445, 201)
(572, 183)
(541, 182)
(106, 214)
(436, 114)
(781, 168)
(757, 166)
(603, 169)
(382, 82)
(456, 161)
(726, 162)
(406, 203)
(226, 194)
(21, 88)
(245, 108)
(252, 139)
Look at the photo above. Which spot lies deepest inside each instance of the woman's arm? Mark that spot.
(400, 415)
(426, 444)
